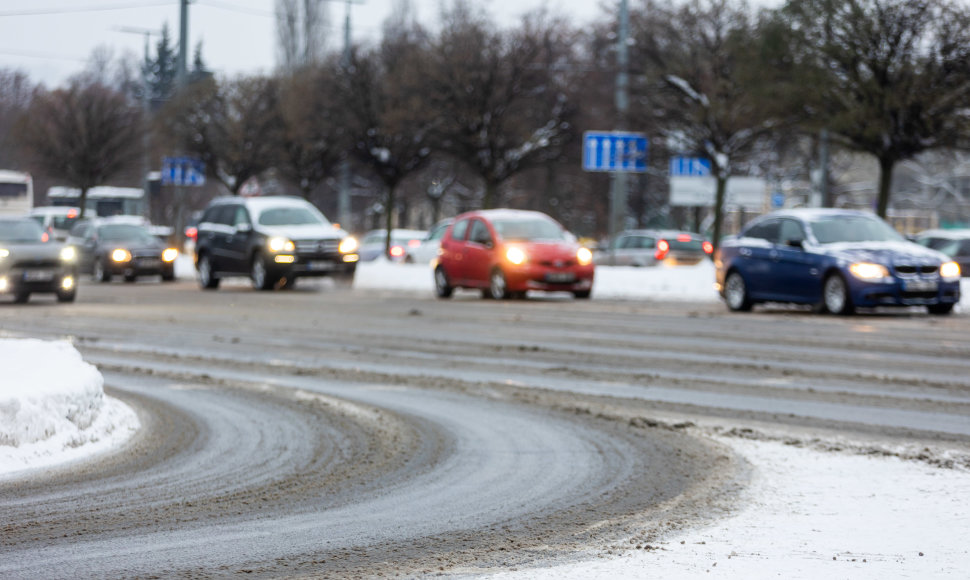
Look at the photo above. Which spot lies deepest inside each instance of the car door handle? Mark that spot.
(745, 252)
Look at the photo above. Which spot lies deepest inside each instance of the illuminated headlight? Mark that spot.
(169, 254)
(67, 282)
(348, 245)
(68, 254)
(869, 272)
(121, 255)
(4, 253)
(950, 271)
(4, 284)
(280, 245)
(584, 256)
(515, 256)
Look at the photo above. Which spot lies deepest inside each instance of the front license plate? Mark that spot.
(560, 277)
(920, 285)
(149, 263)
(320, 266)
(38, 275)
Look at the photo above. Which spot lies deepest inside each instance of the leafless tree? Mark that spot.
(301, 33)
(16, 90)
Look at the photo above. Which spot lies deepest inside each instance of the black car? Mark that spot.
(954, 243)
(273, 240)
(122, 246)
(31, 264)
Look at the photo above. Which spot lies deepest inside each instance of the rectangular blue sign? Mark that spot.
(690, 167)
(614, 151)
(183, 171)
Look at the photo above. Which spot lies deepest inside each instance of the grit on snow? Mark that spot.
(806, 514)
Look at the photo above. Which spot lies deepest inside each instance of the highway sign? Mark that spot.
(747, 192)
(183, 171)
(690, 167)
(614, 151)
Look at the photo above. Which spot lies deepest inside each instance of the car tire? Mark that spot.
(168, 276)
(940, 309)
(99, 272)
(498, 287)
(66, 295)
(130, 278)
(442, 287)
(21, 297)
(582, 294)
(207, 279)
(260, 275)
(288, 283)
(835, 296)
(736, 293)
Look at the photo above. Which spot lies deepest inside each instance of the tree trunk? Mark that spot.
(719, 210)
(82, 201)
(388, 220)
(886, 165)
(491, 194)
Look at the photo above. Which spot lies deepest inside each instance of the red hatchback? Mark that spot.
(507, 252)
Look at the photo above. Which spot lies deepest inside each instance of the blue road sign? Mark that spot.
(614, 151)
(690, 167)
(183, 171)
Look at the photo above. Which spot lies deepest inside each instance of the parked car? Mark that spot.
(954, 243)
(427, 251)
(836, 260)
(56, 220)
(653, 247)
(272, 240)
(30, 264)
(373, 244)
(122, 246)
(507, 252)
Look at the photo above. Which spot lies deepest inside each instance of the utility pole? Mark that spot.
(618, 179)
(343, 194)
(181, 71)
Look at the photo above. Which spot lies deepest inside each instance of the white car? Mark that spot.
(427, 251)
(56, 220)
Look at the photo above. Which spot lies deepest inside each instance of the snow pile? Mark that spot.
(53, 407)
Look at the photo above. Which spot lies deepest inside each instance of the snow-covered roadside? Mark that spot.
(53, 408)
(809, 514)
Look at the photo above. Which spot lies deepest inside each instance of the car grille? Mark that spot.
(911, 270)
(316, 246)
(558, 263)
(29, 264)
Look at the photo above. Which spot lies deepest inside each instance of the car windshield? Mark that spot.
(290, 216)
(124, 233)
(852, 228)
(528, 230)
(21, 231)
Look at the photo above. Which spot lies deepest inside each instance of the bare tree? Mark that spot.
(301, 33)
(890, 77)
(16, 91)
(83, 134)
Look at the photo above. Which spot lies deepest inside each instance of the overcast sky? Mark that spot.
(53, 39)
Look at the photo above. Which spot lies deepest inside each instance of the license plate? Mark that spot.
(920, 285)
(319, 266)
(149, 263)
(560, 277)
(38, 275)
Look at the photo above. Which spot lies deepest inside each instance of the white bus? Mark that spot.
(16, 192)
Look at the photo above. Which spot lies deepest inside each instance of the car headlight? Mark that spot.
(516, 255)
(950, 271)
(348, 245)
(584, 256)
(869, 272)
(120, 255)
(169, 254)
(4, 253)
(280, 245)
(68, 254)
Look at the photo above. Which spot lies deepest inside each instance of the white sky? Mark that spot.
(52, 39)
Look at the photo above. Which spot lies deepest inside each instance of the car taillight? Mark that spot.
(397, 251)
(708, 247)
(662, 248)
(414, 243)
(683, 238)
(191, 232)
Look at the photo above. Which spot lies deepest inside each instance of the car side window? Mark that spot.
(789, 231)
(480, 234)
(240, 216)
(458, 232)
(766, 230)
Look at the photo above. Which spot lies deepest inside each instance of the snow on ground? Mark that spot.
(807, 514)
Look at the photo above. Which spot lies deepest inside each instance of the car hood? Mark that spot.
(885, 253)
(304, 232)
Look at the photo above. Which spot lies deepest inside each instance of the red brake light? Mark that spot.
(662, 248)
(72, 213)
(708, 247)
(414, 243)
(683, 238)
(191, 232)
(397, 251)
(45, 237)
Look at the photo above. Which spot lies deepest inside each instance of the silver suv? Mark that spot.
(273, 240)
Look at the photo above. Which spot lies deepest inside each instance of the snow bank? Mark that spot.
(53, 407)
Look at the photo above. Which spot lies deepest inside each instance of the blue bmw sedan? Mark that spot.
(836, 260)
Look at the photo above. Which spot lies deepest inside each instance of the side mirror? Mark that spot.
(800, 244)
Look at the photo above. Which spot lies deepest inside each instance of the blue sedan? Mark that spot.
(834, 260)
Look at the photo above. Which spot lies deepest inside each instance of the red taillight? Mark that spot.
(708, 247)
(191, 232)
(414, 243)
(662, 248)
(683, 238)
(45, 237)
(72, 213)
(397, 251)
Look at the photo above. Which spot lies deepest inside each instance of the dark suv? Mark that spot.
(272, 240)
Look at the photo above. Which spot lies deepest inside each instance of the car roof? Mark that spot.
(660, 232)
(955, 233)
(507, 214)
(53, 210)
(263, 201)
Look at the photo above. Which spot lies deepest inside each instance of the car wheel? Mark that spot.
(168, 276)
(260, 276)
(100, 273)
(498, 287)
(582, 294)
(206, 279)
(940, 308)
(441, 286)
(130, 277)
(736, 293)
(835, 295)
(288, 283)
(66, 295)
(21, 297)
